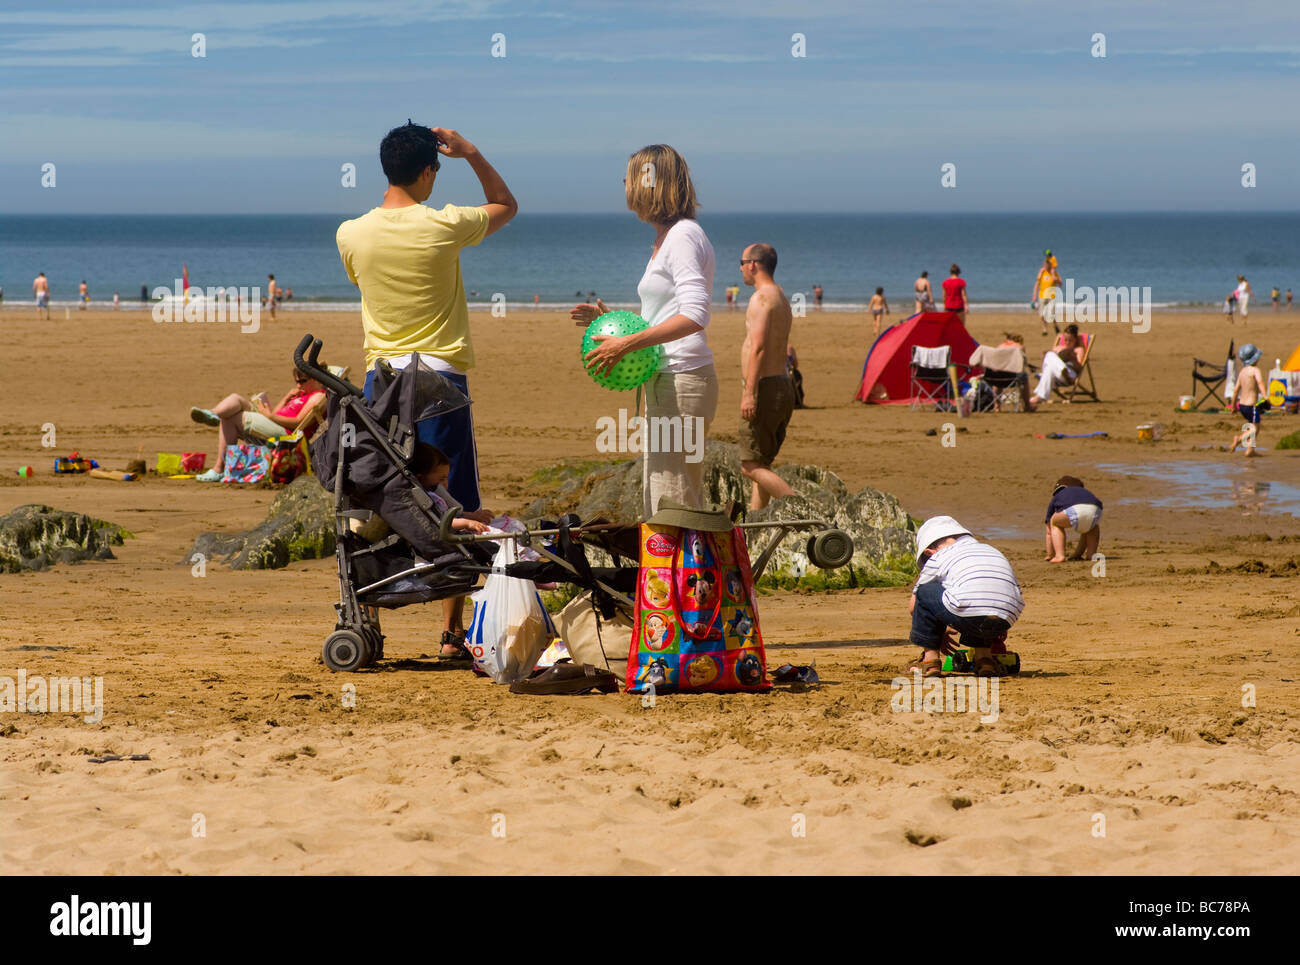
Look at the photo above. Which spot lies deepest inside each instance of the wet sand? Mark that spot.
(1129, 711)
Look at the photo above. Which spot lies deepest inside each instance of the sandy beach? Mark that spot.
(1129, 710)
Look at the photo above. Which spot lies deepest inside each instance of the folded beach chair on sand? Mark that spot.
(1213, 377)
(1006, 371)
(929, 375)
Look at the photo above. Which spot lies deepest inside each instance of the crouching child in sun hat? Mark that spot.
(966, 587)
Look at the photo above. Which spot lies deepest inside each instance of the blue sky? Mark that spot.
(1006, 90)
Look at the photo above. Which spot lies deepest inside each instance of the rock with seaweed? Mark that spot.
(34, 537)
(299, 525)
(882, 532)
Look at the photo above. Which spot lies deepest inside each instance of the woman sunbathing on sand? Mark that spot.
(238, 418)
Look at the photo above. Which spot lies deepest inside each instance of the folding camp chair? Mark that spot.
(929, 375)
(1213, 377)
(1084, 385)
(1009, 380)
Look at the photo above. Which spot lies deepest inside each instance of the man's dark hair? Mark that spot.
(1072, 329)
(764, 256)
(1069, 481)
(406, 151)
(954, 270)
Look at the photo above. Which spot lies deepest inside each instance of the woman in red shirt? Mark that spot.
(954, 292)
(239, 418)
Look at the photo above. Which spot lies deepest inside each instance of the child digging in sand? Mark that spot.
(965, 586)
(1249, 393)
(1072, 506)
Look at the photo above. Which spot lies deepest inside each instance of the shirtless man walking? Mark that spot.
(41, 289)
(767, 396)
(272, 293)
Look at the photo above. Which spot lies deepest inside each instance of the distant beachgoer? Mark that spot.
(879, 306)
(731, 298)
(954, 292)
(1277, 297)
(1250, 397)
(2, 294)
(116, 300)
(817, 295)
(536, 301)
(83, 296)
(1072, 507)
(676, 297)
(238, 417)
(1047, 285)
(767, 396)
(144, 293)
(1288, 299)
(272, 289)
(1244, 293)
(923, 295)
(1230, 307)
(405, 259)
(966, 586)
(41, 290)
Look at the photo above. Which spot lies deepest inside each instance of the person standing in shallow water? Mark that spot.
(676, 292)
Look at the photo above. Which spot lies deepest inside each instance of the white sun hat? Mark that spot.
(934, 529)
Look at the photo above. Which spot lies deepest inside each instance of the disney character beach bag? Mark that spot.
(696, 622)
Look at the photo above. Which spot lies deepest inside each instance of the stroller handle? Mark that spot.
(311, 366)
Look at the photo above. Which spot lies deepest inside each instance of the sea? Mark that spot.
(1187, 260)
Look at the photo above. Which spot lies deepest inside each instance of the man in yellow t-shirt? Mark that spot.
(405, 258)
(1047, 286)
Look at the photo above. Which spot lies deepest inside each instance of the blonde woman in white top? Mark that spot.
(676, 295)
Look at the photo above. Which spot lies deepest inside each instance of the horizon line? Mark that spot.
(802, 211)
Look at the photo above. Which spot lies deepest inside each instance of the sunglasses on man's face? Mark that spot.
(300, 379)
(748, 261)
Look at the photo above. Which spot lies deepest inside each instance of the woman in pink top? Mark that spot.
(239, 418)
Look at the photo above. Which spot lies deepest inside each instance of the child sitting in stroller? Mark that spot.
(432, 467)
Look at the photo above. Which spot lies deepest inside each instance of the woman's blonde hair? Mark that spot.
(659, 187)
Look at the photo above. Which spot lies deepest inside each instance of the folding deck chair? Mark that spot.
(1006, 372)
(1214, 377)
(1084, 385)
(929, 375)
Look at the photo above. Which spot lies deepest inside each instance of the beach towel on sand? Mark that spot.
(696, 620)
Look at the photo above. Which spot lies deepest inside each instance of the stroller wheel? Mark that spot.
(830, 549)
(346, 650)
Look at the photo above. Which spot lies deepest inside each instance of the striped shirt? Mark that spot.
(977, 580)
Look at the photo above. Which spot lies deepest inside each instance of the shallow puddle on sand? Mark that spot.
(1255, 485)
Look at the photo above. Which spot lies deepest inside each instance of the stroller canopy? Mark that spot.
(400, 399)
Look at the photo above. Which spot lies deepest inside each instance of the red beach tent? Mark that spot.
(888, 360)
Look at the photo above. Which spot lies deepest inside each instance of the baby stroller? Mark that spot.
(362, 456)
